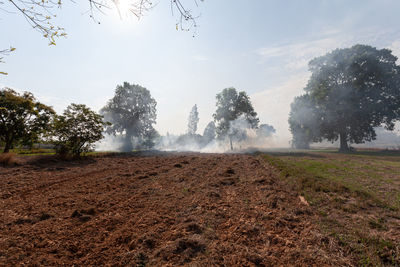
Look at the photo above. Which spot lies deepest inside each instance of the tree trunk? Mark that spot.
(127, 146)
(7, 147)
(343, 142)
(230, 141)
(7, 144)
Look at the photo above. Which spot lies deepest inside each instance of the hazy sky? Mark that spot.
(261, 47)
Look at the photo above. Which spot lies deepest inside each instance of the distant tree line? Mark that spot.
(233, 117)
(130, 115)
(351, 92)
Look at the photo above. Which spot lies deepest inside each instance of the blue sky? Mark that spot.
(261, 47)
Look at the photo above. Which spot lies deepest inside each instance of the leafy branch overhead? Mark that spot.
(5, 52)
(40, 14)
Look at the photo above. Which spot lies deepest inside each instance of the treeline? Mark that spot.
(25, 121)
(233, 121)
(129, 116)
(351, 92)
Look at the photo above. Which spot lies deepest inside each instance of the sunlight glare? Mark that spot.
(122, 8)
(122, 18)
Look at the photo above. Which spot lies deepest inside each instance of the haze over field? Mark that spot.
(262, 48)
(200, 132)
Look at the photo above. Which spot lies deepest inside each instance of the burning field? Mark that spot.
(161, 209)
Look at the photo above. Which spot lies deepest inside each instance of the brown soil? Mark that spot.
(165, 209)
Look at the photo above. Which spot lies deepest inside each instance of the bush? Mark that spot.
(77, 130)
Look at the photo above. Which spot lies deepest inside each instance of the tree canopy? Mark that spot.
(231, 105)
(22, 118)
(351, 91)
(209, 132)
(265, 130)
(193, 120)
(132, 112)
(77, 130)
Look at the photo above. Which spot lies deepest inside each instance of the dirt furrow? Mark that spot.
(173, 209)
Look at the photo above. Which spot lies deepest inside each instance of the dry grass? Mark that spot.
(8, 159)
(357, 196)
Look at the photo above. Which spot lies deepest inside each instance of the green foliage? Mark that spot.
(132, 112)
(22, 118)
(351, 91)
(234, 108)
(77, 130)
(230, 106)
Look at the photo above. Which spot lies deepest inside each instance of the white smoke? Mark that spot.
(110, 143)
(240, 132)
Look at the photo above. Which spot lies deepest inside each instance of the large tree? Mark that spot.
(132, 112)
(231, 105)
(22, 118)
(193, 120)
(351, 91)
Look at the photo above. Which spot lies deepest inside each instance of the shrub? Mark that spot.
(77, 130)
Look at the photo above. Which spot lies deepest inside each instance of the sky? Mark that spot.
(260, 46)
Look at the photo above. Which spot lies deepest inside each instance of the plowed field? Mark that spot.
(159, 209)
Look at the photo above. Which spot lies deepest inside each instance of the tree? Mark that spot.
(193, 120)
(149, 138)
(22, 118)
(77, 130)
(230, 106)
(304, 122)
(265, 130)
(209, 132)
(132, 112)
(351, 91)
